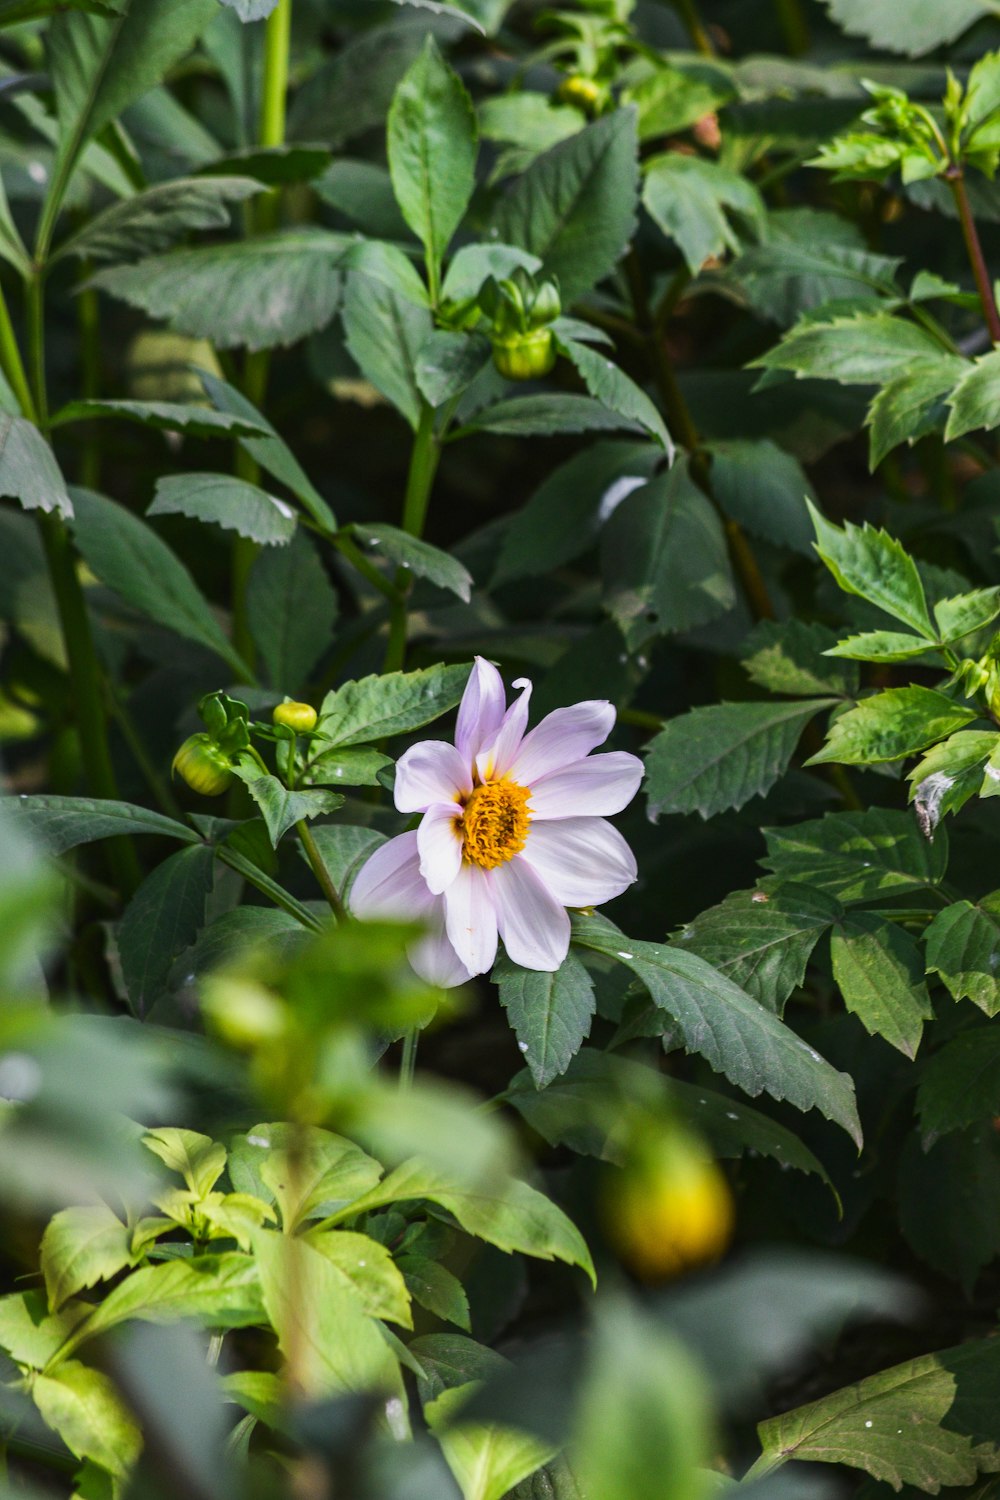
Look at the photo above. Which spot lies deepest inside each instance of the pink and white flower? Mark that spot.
(513, 832)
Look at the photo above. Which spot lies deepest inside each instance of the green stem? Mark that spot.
(424, 458)
(696, 27)
(349, 549)
(793, 26)
(12, 363)
(974, 249)
(283, 899)
(318, 866)
(88, 322)
(408, 1061)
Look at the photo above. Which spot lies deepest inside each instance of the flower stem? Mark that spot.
(956, 181)
(696, 27)
(408, 1061)
(319, 869)
(424, 458)
(793, 25)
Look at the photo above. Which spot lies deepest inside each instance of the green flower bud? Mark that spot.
(242, 1012)
(300, 717)
(585, 94)
(546, 306)
(525, 356)
(205, 768)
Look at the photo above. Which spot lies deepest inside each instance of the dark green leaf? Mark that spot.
(547, 413)
(418, 556)
(858, 855)
(878, 970)
(29, 473)
(153, 220)
(448, 363)
(613, 388)
(292, 608)
(550, 1013)
(282, 808)
(161, 920)
(963, 948)
(436, 1288)
(859, 349)
(346, 848)
(960, 1084)
(167, 416)
(61, 823)
(384, 334)
(803, 265)
(790, 658)
(765, 489)
(890, 726)
(912, 405)
(230, 503)
(690, 198)
(949, 1203)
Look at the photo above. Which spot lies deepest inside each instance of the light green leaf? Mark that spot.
(790, 656)
(487, 1461)
(29, 1333)
(431, 143)
(963, 949)
(975, 400)
(370, 1270)
(282, 808)
(719, 757)
(890, 726)
(83, 1407)
(152, 220)
(384, 333)
(913, 404)
(719, 1021)
(575, 206)
(878, 970)
(81, 1246)
(166, 416)
(550, 1013)
(355, 767)
(62, 823)
(881, 645)
(764, 489)
(873, 565)
(197, 1158)
(856, 349)
(691, 198)
(929, 23)
(858, 855)
(960, 616)
(130, 558)
(418, 556)
(329, 1170)
(672, 98)
(230, 503)
(292, 609)
(29, 473)
(161, 920)
(948, 775)
(374, 708)
(615, 390)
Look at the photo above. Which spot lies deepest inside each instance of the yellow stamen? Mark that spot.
(495, 823)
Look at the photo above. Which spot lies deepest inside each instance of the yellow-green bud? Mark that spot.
(669, 1208)
(525, 356)
(242, 1012)
(586, 94)
(205, 768)
(298, 716)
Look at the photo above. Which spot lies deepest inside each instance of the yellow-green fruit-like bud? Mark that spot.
(669, 1209)
(298, 716)
(525, 356)
(585, 93)
(242, 1012)
(204, 767)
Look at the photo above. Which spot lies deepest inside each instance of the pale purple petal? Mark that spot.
(495, 759)
(439, 840)
(595, 787)
(564, 736)
(390, 884)
(470, 920)
(533, 923)
(430, 772)
(481, 710)
(434, 958)
(583, 861)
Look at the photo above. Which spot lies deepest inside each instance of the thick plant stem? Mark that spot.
(696, 27)
(974, 249)
(12, 364)
(408, 1061)
(88, 322)
(323, 877)
(793, 26)
(424, 458)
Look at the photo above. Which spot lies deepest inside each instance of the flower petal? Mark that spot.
(495, 759)
(533, 924)
(432, 771)
(582, 861)
(564, 736)
(481, 710)
(390, 884)
(434, 958)
(439, 840)
(470, 920)
(595, 787)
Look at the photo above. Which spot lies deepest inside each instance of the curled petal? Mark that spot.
(481, 710)
(430, 772)
(595, 787)
(439, 840)
(390, 884)
(582, 861)
(470, 920)
(496, 758)
(564, 736)
(533, 924)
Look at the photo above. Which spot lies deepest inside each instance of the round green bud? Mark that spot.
(242, 1012)
(205, 768)
(585, 94)
(525, 356)
(300, 717)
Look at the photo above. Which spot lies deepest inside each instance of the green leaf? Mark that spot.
(472, 265)
(733, 1129)
(857, 349)
(161, 920)
(719, 1021)
(251, 10)
(858, 855)
(948, 775)
(337, 1347)
(664, 559)
(230, 503)
(975, 400)
(436, 1289)
(418, 556)
(81, 1246)
(762, 939)
(949, 1203)
(809, 258)
(387, 264)
(271, 452)
(488, 1461)
(877, 968)
(882, 645)
(130, 558)
(614, 389)
(448, 363)
(508, 1214)
(195, 1157)
(545, 414)
(344, 848)
(893, 1424)
(719, 757)
(672, 98)
(431, 143)
(282, 808)
(960, 1084)
(83, 1407)
(29, 473)
(29, 1333)
(330, 1170)
(371, 1271)
(355, 767)
(153, 220)
(912, 405)
(791, 657)
(929, 23)
(166, 416)
(374, 708)
(763, 488)
(575, 206)
(271, 290)
(691, 198)
(550, 1013)
(963, 949)
(62, 823)
(292, 609)
(965, 613)
(890, 726)
(384, 333)
(874, 566)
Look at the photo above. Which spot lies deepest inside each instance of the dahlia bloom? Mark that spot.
(513, 832)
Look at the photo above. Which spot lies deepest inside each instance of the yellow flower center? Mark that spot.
(495, 823)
